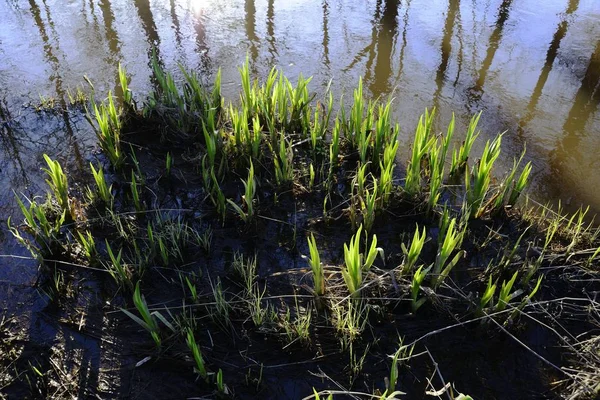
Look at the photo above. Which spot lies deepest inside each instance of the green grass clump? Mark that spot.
(357, 263)
(477, 183)
(108, 131)
(58, 184)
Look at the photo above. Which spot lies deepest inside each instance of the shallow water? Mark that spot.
(532, 67)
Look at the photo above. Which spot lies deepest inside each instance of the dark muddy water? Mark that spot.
(532, 67)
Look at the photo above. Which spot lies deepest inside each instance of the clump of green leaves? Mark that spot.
(57, 180)
(356, 262)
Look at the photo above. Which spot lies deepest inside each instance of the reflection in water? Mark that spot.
(404, 42)
(386, 37)
(446, 50)
(325, 42)
(493, 45)
(585, 105)
(271, 31)
(560, 33)
(201, 40)
(176, 25)
(250, 8)
(54, 63)
(114, 45)
(10, 145)
(149, 26)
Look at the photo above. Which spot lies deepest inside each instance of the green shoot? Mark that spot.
(102, 189)
(250, 191)
(58, 184)
(315, 265)
(148, 320)
(356, 262)
(442, 268)
(415, 287)
(412, 254)
(200, 368)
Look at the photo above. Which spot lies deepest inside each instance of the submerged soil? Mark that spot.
(72, 340)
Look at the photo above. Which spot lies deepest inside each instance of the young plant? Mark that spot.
(117, 269)
(108, 131)
(412, 254)
(148, 320)
(356, 262)
(249, 193)
(200, 368)
(127, 95)
(506, 294)
(369, 206)
(284, 172)
(519, 185)
(442, 268)
(315, 265)
(168, 164)
(58, 184)
(44, 231)
(421, 145)
(487, 297)
(415, 287)
(460, 157)
(478, 182)
(88, 245)
(135, 194)
(103, 191)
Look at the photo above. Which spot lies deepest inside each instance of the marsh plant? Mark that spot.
(357, 263)
(411, 255)
(57, 181)
(315, 265)
(249, 192)
(443, 263)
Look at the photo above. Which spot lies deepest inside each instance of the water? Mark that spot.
(532, 67)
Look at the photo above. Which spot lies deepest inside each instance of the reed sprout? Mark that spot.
(415, 287)
(315, 265)
(200, 367)
(249, 193)
(45, 231)
(127, 95)
(461, 156)
(58, 184)
(103, 190)
(148, 320)
(422, 143)
(108, 131)
(357, 263)
(117, 268)
(414, 251)
(88, 244)
(443, 264)
(478, 182)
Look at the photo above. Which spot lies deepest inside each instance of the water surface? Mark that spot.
(532, 67)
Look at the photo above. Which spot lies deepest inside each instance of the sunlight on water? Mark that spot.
(531, 66)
